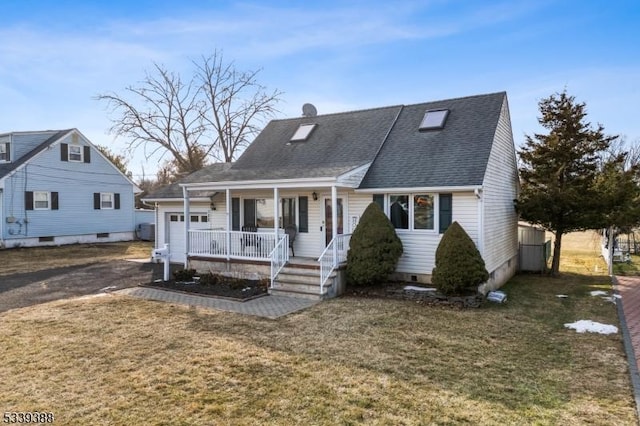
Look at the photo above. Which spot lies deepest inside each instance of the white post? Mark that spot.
(228, 236)
(611, 242)
(334, 222)
(185, 197)
(276, 222)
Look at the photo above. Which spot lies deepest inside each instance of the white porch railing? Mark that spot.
(334, 254)
(243, 245)
(279, 257)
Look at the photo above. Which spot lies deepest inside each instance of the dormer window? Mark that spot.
(75, 153)
(303, 132)
(5, 152)
(434, 119)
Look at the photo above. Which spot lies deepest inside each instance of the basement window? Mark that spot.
(434, 119)
(303, 132)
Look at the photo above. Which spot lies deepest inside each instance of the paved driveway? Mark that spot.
(20, 290)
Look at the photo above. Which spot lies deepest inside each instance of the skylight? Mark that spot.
(303, 132)
(434, 119)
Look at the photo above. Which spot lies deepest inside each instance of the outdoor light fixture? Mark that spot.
(212, 205)
(314, 194)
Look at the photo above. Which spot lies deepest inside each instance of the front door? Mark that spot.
(328, 218)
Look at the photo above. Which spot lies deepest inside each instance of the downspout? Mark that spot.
(185, 197)
(334, 222)
(229, 224)
(478, 193)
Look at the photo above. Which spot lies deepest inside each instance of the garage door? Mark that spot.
(176, 232)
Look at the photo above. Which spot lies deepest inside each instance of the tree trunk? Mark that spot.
(555, 263)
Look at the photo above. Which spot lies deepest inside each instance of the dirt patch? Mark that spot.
(418, 293)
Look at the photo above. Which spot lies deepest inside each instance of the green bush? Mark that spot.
(374, 249)
(459, 265)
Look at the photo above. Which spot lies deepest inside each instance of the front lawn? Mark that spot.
(116, 360)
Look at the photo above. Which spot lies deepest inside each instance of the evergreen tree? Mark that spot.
(558, 171)
(459, 265)
(374, 249)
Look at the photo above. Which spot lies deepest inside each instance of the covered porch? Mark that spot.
(266, 223)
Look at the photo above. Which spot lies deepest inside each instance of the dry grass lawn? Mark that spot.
(30, 259)
(116, 360)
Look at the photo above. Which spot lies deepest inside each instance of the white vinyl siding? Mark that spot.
(500, 238)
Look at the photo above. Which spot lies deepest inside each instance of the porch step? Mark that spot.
(301, 282)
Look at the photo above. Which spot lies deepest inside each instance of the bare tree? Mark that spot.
(236, 104)
(212, 115)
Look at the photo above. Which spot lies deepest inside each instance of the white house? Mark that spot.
(57, 188)
(426, 165)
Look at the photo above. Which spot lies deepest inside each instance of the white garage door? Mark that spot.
(175, 223)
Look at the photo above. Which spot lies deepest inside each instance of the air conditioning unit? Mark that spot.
(146, 231)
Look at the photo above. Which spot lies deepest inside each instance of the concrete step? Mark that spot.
(290, 293)
(301, 287)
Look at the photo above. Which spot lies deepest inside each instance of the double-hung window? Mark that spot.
(106, 200)
(41, 200)
(412, 211)
(4, 152)
(75, 153)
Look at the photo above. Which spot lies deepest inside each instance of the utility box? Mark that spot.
(146, 231)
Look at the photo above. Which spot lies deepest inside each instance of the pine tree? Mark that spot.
(558, 171)
(374, 249)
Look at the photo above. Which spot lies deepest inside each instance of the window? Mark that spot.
(264, 213)
(40, 200)
(399, 211)
(106, 200)
(195, 218)
(5, 154)
(288, 212)
(173, 218)
(303, 132)
(204, 219)
(434, 119)
(75, 153)
(423, 212)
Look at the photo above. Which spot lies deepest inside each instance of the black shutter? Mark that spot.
(87, 154)
(54, 201)
(249, 212)
(445, 211)
(116, 201)
(303, 213)
(96, 201)
(64, 152)
(8, 151)
(235, 214)
(28, 200)
(379, 200)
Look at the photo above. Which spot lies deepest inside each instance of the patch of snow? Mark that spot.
(617, 296)
(416, 288)
(562, 296)
(609, 299)
(111, 287)
(598, 293)
(583, 326)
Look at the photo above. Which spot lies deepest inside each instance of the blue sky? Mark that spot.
(55, 57)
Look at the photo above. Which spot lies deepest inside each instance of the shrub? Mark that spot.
(374, 249)
(184, 274)
(459, 265)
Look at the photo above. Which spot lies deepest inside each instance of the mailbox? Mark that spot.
(162, 254)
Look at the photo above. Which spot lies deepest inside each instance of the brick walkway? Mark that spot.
(629, 289)
(268, 306)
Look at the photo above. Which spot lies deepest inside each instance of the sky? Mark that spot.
(56, 57)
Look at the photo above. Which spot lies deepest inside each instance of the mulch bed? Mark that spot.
(235, 289)
(395, 290)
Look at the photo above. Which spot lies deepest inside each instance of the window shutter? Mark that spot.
(28, 200)
(379, 200)
(87, 154)
(235, 214)
(54, 201)
(249, 212)
(116, 201)
(96, 201)
(64, 152)
(445, 211)
(303, 213)
(8, 151)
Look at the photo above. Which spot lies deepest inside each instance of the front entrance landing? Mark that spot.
(271, 307)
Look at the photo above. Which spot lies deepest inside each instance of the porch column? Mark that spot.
(185, 199)
(228, 235)
(334, 221)
(276, 223)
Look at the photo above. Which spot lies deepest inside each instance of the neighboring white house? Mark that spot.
(426, 165)
(57, 188)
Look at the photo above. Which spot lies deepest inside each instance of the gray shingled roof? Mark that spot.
(456, 155)
(402, 156)
(7, 168)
